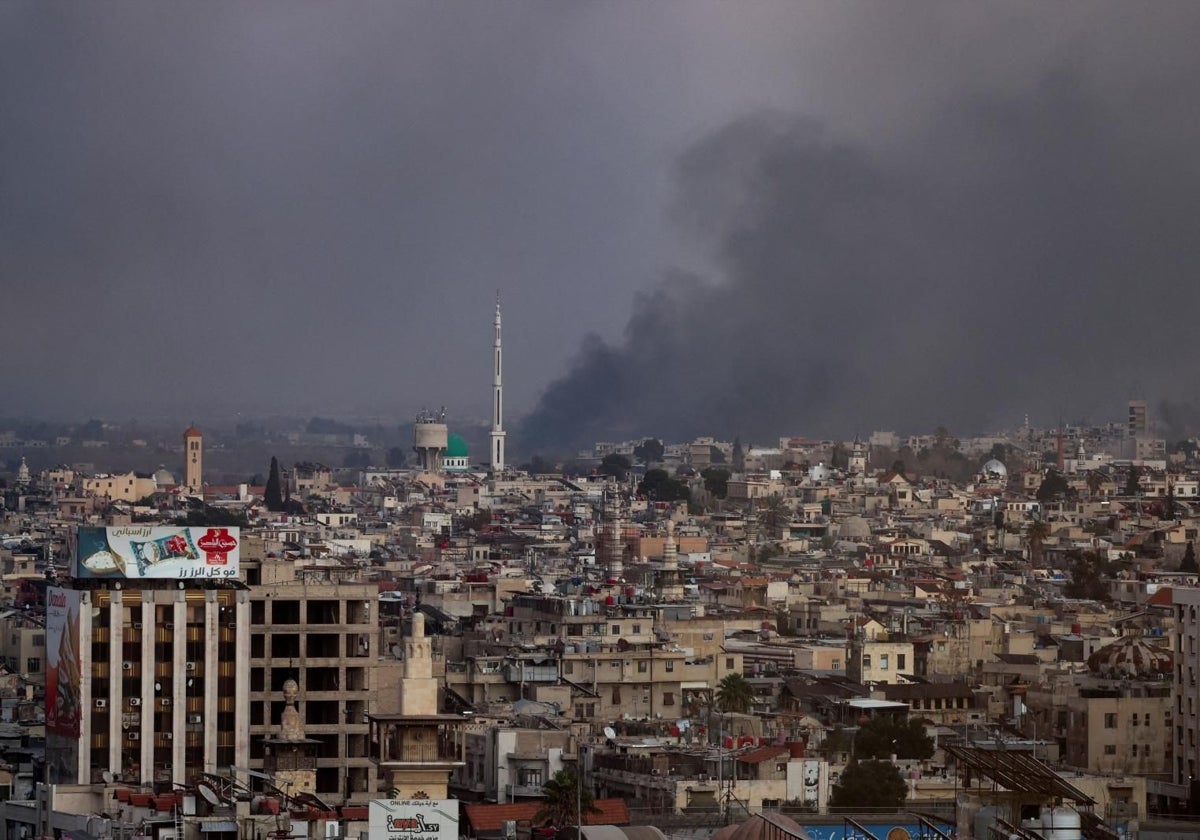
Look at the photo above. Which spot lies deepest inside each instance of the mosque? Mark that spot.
(440, 450)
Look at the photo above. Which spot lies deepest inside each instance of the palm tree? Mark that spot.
(562, 796)
(734, 693)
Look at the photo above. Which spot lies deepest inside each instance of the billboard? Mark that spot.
(154, 551)
(413, 819)
(63, 686)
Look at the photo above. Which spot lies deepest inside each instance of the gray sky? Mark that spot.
(848, 214)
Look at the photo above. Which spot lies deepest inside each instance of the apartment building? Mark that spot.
(1186, 696)
(318, 626)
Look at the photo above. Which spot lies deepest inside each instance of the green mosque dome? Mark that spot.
(456, 447)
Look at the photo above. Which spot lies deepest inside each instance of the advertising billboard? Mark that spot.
(63, 686)
(154, 551)
(413, 819)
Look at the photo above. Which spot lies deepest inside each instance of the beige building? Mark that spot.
(319, 627)
(120, 488)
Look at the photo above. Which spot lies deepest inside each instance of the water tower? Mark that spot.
(430, 437)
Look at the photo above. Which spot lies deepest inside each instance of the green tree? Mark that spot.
(562, 796)
(617, 466)
(1036, 534)
(1189, 559)
(716, 481)
(885, 735)
(869, 784)
(273, 493)
(1132, 486)
(734, 693)
(649, 451)
(658, 486)
(1053, 486)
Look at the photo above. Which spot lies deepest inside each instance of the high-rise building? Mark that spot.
(497, 434)
(148, 654)
(1139, 419)
(193, 460)
(1186, 772)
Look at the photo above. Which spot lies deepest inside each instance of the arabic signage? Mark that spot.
(413, 819)
(144, 551)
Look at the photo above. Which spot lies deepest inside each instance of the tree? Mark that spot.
(562, 795)
(734, 693)
(273, 493)
(1132, 486)
(1052, 486)
(1036, 533)
(716, 481)
(658, 486)
(649, 451)
(617, 466)
(884, 736)
(1168, 504)
(869, 784)
(1189, 559)
(396, 456)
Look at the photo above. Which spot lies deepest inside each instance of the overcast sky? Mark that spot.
(785, 217)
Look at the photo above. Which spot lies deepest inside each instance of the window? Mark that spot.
(670, 665)
(1110, 720)
(531, 777)
(883, 662)
(866, 660)
(1133, 750)
(668, 698)
(836, 665)
(33, 665)
(1110, 749)
(901, 661)
(1134, 720)
(641, 666)
(728, 663)
(637, 628)
(568, 667)
(614, 664)
(39, 640)
(616, 629)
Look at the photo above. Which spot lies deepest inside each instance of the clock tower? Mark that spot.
(193, 460)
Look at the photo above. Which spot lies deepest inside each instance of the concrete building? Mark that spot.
(193, 460)
(318, 627)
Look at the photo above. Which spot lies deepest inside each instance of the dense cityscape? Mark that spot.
(550, 420)
(925, 633)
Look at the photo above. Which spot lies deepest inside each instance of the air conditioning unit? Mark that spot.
(137, 625)
(101, 703)
(134, 736)
(127, 666)
(232, 626)
(166, 701)
(168, 736)
(170, 625)
(135, 701)
(191, 666)
(195, 718)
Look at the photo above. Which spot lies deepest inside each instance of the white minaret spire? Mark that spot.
(497, 434)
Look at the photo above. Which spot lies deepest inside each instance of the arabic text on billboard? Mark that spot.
(143, 551)
(413, 819)
(63, 686)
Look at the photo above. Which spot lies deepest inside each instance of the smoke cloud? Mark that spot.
(1023, 252)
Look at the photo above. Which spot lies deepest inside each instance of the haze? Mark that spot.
(800, 218)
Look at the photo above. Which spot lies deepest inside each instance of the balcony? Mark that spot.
(531, 673)
(532, 791)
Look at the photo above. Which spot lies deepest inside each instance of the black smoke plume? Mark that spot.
(1032, 253)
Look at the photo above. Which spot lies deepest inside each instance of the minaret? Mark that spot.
(497, 399)
(670, 586)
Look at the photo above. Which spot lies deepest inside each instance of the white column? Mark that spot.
(149, 628)
(116, 682)
(212, 640)
(241, 744)
(84, 753)
(179, 690)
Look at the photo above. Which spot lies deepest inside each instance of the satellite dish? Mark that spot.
(209, 795)
(397, 652)
(610, 733)
(107, 776)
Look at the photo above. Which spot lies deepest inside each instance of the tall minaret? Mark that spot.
(497, 400)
